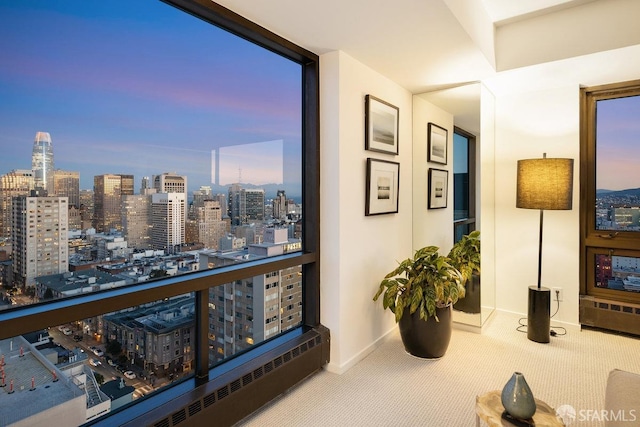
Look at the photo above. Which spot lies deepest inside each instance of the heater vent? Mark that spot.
(258, 373)
(195, 407)
(179, 417)
(247, 379)
(223, 392)
(235, 386)
(247, 385)
(609, 314)
(277, 362)
(209, 400)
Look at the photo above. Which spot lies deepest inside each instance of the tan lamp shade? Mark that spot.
(545, 184)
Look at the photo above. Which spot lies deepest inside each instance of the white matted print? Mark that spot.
(381, 125)
(437, 144)
(383, 184)
(438, 188)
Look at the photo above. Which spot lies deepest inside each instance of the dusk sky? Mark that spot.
(139, 87)
(618, 144)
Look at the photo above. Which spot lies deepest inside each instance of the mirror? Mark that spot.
(470, 111)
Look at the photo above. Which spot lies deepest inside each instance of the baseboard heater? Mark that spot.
(610, 314)
(234, 395)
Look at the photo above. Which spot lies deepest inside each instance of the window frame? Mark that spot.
(24, 319)
(593, 241)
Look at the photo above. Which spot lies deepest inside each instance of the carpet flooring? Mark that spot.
(392, 388)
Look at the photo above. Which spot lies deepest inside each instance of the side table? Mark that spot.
(489, 409)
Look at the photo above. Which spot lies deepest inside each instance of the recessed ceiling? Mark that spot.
(425, 45)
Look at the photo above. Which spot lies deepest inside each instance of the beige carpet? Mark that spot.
(392, 388)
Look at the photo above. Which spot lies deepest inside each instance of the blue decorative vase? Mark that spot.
(517, 398)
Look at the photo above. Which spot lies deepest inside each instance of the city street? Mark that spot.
(109, 373)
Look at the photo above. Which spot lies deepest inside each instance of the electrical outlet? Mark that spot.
(557, 294)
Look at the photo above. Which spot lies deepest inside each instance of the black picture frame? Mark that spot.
(438, 188)
(382, 188)
(437, 138)
(381, 126)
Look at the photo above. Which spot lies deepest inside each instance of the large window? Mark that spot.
(158, 200)
(611, 207)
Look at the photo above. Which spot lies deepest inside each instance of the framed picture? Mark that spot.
(383, 184)
(437, 151)
(438, 188)
(381, 125)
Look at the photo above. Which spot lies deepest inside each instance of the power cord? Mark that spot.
(556, 331)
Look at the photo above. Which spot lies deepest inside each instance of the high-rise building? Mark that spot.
(211, 227)
(67, 184)
(145, 185)
(280, 205)
(245, 205)
(13, 184)
(39, 237)
(107, 194)
(136, 220)
(87, 203)
(251, 310)
(167, 220)
(171, 182)
(42, 161)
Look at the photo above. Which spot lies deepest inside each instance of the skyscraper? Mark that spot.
(245, 205)
(15, 183)
(168, 220)
(39, 237)
(171, 182)
(211, 227)
(42, 161)
(67, 184)
(136, 220)
(107, 194)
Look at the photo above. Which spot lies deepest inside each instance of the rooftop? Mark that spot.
(37, 384)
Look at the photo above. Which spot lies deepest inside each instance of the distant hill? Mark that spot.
(619, 193)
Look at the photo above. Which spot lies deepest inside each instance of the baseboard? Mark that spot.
(335, 368)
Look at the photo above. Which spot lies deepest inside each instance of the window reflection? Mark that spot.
(619, 273)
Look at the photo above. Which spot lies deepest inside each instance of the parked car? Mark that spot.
(129, 374)
(94, 362)
(111, 363)
(77, 337)
(67, 331)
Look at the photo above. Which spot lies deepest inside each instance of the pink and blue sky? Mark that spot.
(139, 87)
(618, 144)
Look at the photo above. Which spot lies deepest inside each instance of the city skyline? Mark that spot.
(118, 95)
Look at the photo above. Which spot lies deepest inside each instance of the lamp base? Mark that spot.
(539, 315)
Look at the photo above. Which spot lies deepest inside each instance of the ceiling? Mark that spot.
(425, 45)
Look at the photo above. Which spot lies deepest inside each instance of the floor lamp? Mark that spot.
(544, 184)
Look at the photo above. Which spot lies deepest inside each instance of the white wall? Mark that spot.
(430, 226)
(529, 124)
(357, 251)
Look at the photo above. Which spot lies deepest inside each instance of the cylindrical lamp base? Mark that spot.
(539, 315)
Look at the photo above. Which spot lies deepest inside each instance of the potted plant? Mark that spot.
(421, 291)
(465, 256)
